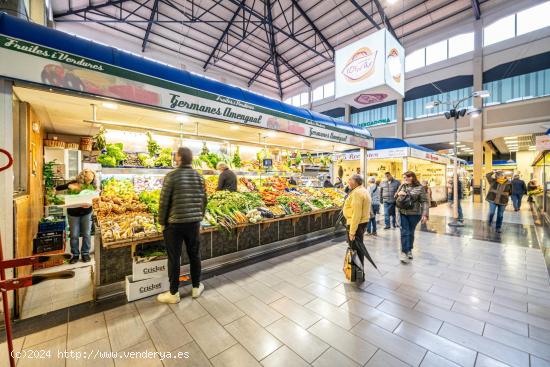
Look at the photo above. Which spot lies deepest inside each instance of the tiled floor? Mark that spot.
(461, 302)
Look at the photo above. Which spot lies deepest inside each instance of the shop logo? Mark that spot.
(360, 66)
(370, 98)
(394, 65)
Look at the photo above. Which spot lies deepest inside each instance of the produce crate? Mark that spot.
(49, 241)
(137, 289)
(53, 226)
(49, 263)
(149, 269)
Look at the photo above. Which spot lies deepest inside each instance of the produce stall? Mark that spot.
(541, 175)
(398, 156)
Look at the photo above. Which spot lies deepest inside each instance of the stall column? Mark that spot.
(477, 121)
(363, 161)
(347, 113)
(405, 166)
(400, 120)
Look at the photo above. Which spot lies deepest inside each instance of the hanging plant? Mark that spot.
(99, 140)
(152, 146)
(340, 171)
(237, 163)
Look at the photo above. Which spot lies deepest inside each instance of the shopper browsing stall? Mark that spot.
(228, 179)
(412, 201)
(80, 219)
(181, 210)
(374, 192)
(357, 213)
(518, 190)
(499, 192)
(327, 183)
(339, 184)
(388, 189)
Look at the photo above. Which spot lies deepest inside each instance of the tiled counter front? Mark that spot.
(116, 262)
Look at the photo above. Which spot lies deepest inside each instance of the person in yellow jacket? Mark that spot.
(357, 212)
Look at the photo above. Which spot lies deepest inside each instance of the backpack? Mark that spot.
(404, 202)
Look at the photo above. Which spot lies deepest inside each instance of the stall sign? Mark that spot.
(375, 122)
(39, 64)
(542, 142)
(351, 156)
(429, 156)
(388, 153)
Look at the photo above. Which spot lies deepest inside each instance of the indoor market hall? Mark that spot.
(243, 183)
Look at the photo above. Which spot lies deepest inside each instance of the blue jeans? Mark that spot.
(499, 209)
(371, 225)
(408, 226)
(80, 226)
(389, 211)
(516, 200)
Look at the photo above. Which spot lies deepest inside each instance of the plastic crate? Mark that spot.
(47, 242)
(55, 226)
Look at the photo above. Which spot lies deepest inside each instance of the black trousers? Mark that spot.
(174, 236)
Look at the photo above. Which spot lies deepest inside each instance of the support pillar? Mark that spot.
(400, 118)
(347, 113)
(477, 121)
(363, 162)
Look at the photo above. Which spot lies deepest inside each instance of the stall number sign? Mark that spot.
(429, 156)
(542, 142)
(388, 153)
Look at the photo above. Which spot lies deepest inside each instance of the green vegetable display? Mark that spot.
(236, 161)
(152, 146)
(99, 140)
(113, 157)
(146, 161)
(151, 199)
(211, 159)
(164, 158)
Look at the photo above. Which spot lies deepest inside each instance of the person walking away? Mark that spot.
(388, 189)
(413, 208)
(80, 219)
(499, 192)
(181, 209)
(227, 180)
(374, 192)
(428, 189)
(357, 213)
(518, 190)
(327, 183)
(460, 197)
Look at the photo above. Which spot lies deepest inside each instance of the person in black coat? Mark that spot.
(518, 190)
(327, 182)
(227, 179)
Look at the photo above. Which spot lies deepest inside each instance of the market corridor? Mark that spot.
(462, 301)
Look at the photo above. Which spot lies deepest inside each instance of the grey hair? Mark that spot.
(80, 177)
(222, 165)
(372, 179)
(357, 178)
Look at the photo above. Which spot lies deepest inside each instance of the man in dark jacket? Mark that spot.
(499, 192)
(181, 209)
(518, 190)
(388, 189)
(228, 179)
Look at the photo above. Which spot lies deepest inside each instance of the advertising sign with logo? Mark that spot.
(388, 153)
(43, 65)
(360, 65)
(370, 70)
(433, 157)
(542, 142)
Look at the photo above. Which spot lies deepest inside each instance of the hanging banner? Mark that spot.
(39, 64)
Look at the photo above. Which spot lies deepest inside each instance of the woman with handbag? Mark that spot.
(413, 204)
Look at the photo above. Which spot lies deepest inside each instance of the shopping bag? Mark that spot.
(433, 204)
(348, 264)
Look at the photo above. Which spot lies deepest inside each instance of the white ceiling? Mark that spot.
(245, 50)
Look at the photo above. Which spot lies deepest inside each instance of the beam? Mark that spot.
(385, 19)
(89, 8)
(150, 24)
(260, 71)
(291, 68)
(273, 48)
(476, 9)
(225, 32)
(365, 14)
(312, 25)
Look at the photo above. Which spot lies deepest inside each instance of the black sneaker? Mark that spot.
(374, 234)
(73, 260)
(86, 258)
(386, 227)
(498, 230)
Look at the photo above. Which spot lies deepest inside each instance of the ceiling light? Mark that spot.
(511, 138)
(532, 147)
(452, 143)
(182, 118)
(301, 138)
(271, 134)
(234, 127)
(110, 105)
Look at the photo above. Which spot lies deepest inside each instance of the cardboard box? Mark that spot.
(149, 269)
(145, 288)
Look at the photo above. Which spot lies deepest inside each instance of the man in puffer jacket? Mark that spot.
(181, 209)
(498, 195)
(388, 189)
